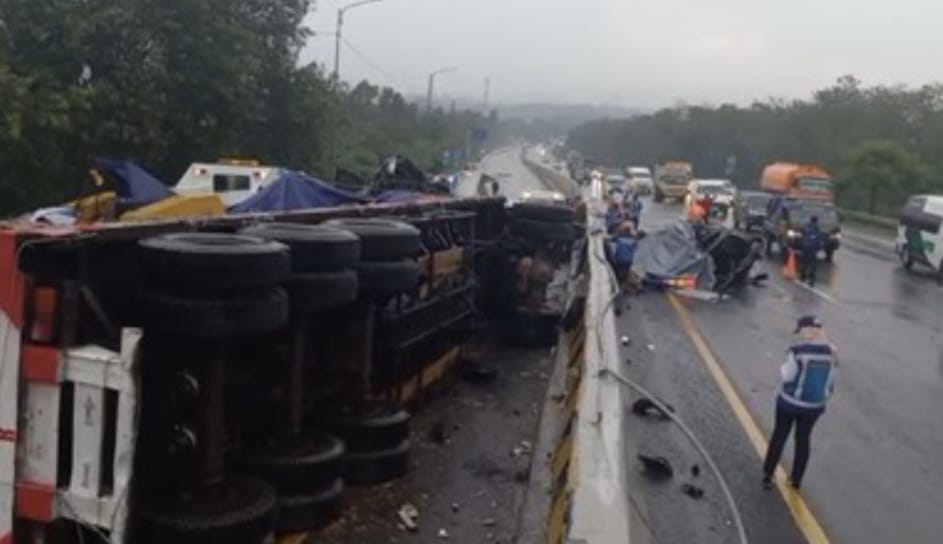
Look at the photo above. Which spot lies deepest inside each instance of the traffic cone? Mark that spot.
(790, 271)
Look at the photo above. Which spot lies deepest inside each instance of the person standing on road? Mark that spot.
(809, 245)
(808, 381)
(635, 210)
(614, 216)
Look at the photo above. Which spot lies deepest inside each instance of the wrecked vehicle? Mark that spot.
(720, 258)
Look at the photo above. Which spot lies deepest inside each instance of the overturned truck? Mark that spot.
(223, 380)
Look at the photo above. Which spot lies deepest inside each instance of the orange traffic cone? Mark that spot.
(789, 271)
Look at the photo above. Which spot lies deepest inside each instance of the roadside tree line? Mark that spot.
(176, 81)
(883, 143)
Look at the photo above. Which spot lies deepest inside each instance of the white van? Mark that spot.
(233, 180)
(920, 233)
(640, 180)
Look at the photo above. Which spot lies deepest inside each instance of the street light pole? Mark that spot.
(338, 37)
(431, 88)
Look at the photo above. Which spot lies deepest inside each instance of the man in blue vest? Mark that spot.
(808, 380)
(635, 210)
(809, 245)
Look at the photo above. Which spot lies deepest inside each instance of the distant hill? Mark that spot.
(567, 115)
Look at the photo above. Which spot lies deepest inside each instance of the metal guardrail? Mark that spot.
(553, 180)
(868, 219)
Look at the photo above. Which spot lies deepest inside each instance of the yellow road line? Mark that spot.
(801, 513)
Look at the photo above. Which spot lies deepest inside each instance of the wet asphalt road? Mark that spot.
(505, 165)
(874, 475)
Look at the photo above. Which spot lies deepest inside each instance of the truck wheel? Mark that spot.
(241, 512)
(308, 293)
(381, 280)
(208, 316)
(543, 212)
(378, 466)
(306, 512)
(378, 425)
(314, 248)
(381, 239)
(542, 230)
(213, 262)
(295, 465)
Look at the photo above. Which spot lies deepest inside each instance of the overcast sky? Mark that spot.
(634, 53)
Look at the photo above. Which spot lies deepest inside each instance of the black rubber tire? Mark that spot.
(314, 248)
(542, 230)
(543, 212)
(381, 239)
(381, 425)
(214, 316)
(300, 513)
(379, 466)
(296, 465)
(380, 280)
(309, 293)
(213, 262)
(244, 513)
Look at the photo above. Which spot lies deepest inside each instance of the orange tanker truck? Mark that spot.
(798, 180)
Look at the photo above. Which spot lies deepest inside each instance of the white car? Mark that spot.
(721, 190)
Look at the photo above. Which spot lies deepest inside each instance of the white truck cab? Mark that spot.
(233, 180)
(920, 233)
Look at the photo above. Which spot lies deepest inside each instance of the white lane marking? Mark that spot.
(821, 294)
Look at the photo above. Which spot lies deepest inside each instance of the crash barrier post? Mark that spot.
(590, 497)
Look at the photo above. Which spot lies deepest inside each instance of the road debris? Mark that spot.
(695, 470)
(456, 507)
(646, 408)
(437, 433)
(479, 374)
(409, 515)
(692, 491)
(489, 522)
(443, 534)
(625, 340)
(651, 347)
(656, 467)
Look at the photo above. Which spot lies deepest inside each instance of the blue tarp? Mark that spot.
(134, 185)
(295, 190)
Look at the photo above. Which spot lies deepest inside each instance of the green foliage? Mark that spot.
(172, 82)
(884, 143)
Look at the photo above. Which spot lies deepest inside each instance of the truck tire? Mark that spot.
(298, 513)
(243, 512)
(309, 293)
(381, 239)
(542, 230)
(295, 465)
(379, 466)
(314, 248)
(377, 426)
(213, 262)
(214, 316)
(381, 280)
(543, 212)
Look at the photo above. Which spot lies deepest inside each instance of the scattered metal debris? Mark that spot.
(409, 515)
(443, 534)
(645, 407)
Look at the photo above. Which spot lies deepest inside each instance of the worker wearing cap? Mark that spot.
(808, 380)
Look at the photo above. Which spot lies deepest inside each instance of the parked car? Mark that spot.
(920, 233)
(785, 218)
(749, 209)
